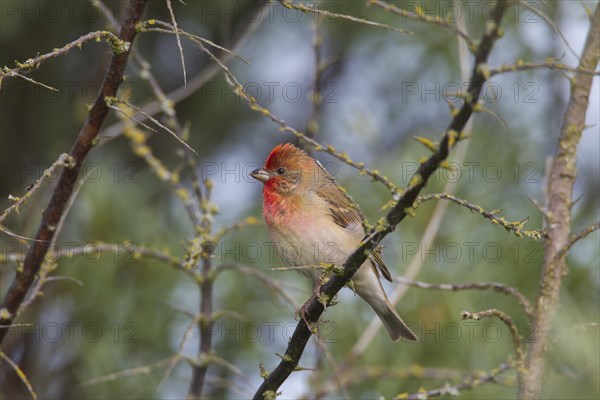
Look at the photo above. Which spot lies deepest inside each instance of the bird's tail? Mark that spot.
(392, 322)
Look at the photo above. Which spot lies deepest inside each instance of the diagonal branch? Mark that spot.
(584, 232)
(66, 183)
(435, 220)
(62, 161)
(314, 307)
(20, 374)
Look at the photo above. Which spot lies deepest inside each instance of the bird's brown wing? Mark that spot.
(378, 260)
(345, 213)
(342, 210)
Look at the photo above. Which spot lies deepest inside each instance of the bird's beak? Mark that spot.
(260, 175)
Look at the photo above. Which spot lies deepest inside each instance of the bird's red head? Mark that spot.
(286, 155)
(285, 169)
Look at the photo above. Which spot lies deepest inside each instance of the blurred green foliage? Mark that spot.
(126, 312)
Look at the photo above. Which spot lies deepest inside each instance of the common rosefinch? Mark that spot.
(312, 221)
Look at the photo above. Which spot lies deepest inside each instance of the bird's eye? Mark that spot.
(281, 171)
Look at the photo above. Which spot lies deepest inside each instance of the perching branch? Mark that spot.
(66, 183)
(559, 194)
(435, 220)
(314, 307)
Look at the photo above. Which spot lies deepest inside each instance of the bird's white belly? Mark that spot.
(297, 248)
(313, 244)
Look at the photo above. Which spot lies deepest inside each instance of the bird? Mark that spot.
(312, 221)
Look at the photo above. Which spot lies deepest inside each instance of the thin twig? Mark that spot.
(337, 371)
(120, 45)
(470, 382)
(20, 374)
(134, 250)
(142, 370)
(433, 226)
(274, 284)
(581, 235)
(498, 287)
(312, 126)
(49, 266)
(240, 91)
(420, 16)
(187, 334)
(310, 9)
(514, 331)
(515, 227)
(551, 64)
(207, 359)
(195, 84)
(167, 107)
(174, 21)
(138, 143)
(147, 26)
(64, 160)
(531, 6)
(113, 100)
(66, 183)
(369, 373)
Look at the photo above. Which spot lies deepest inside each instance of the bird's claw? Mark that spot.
(302, 312)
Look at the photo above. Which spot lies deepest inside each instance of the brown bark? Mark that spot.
(66, 183)
(559, 194)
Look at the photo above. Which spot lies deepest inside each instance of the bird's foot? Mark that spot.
(302, 312)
